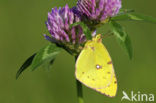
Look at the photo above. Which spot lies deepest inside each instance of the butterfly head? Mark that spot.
(97, 38)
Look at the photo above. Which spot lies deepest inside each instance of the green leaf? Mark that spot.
(47, 65)
(25, 65)
(122, 37)
(134, 17)
(85, 28)
(45, 54)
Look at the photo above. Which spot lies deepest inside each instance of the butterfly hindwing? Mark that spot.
(111, 89)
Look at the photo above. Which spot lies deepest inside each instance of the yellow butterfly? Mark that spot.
(94, 68)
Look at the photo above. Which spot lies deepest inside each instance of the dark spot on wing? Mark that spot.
(82, 72)
(93, 79)
(87, 76)
(92, 48)
(108, 72)
(115, 82)
(110, 62)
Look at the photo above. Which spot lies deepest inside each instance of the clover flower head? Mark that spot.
(58, 24)
(99, 9)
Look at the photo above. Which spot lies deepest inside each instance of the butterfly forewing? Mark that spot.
(94, 66)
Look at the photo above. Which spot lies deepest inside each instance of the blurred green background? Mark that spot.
(22, 23)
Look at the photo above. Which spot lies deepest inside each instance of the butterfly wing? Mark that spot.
(111, 89)
(94, 67)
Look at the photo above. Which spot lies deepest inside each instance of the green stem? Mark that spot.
(79, 90)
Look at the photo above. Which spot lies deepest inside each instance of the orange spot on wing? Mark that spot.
(110, 62)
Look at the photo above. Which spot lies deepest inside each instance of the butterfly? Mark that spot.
(94, 68)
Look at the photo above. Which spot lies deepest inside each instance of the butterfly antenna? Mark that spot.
(108, 34)
(126, 11)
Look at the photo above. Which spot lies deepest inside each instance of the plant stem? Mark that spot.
(79, 92)
(79, 89)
